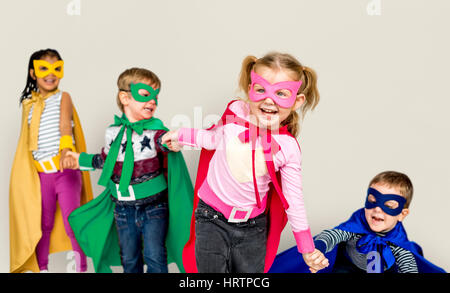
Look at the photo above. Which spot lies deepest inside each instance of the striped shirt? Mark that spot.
(49, 128)
(404, 259)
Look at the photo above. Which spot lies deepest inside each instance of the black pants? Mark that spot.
(223, 247)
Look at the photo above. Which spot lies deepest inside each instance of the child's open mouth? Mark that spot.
(268, 112)
(150, 110)
(50, 81)
(377, 219)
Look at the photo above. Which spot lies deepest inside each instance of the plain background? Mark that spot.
(383, 81)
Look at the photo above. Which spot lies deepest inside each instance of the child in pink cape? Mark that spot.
(249, 180)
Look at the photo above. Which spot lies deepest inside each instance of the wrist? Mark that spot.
(320, 245)
(175, 135)
(85, 161)
(305, 243)
(66, 142)
(187, 136)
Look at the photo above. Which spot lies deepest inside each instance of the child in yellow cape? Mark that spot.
(43, 189)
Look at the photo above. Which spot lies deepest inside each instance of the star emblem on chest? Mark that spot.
(124, 145)
(145, 143)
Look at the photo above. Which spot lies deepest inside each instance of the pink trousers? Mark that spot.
(65, 188)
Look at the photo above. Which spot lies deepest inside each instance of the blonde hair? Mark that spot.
(133, 75)
(396, 180)
(281, 61)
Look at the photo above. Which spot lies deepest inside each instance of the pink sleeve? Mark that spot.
(187, 136)
(207, 139)
(304, 240)
(291, 181)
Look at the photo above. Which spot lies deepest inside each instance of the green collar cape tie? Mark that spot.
(128, 163)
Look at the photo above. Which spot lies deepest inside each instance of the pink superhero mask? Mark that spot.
(277, 91)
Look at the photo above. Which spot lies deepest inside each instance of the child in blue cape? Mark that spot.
(373, 240)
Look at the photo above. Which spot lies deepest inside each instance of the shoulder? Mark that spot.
(288, 140)
(26, 104)
(113, 128)
(289, 148)
(112, 131)
(65, 95)
(66, 98)
(240, 108)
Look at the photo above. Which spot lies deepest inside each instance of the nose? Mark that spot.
(378, 210)
(151, 102)
(268, 100)
(52, 75)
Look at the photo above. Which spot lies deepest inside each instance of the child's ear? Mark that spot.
(124, 99)
(299, 102)
(403, 214)
(32, 74)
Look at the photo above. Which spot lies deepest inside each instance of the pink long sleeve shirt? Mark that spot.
(230, 170)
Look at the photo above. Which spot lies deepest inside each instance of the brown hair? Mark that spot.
(396, 180)
(278, 61)
(133, 75)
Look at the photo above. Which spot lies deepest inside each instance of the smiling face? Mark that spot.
(134, 110)
(377, 219)
(47, 83)
(267, 113)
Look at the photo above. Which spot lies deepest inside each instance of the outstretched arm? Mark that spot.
(207, 139)
(328, 239)
(65, 124)
(324, 243)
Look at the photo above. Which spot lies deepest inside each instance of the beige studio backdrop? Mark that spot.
(383, 78)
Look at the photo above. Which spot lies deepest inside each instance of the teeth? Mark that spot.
(268, 111)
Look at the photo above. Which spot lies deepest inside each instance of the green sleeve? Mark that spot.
(85, 162)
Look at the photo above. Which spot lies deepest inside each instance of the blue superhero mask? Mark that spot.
(381, 200)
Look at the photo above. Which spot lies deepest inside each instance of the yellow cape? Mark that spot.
(25, 202)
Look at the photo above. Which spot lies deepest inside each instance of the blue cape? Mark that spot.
(291, 261)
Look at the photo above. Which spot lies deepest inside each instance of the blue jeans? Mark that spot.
(142, 229)
(223, 247)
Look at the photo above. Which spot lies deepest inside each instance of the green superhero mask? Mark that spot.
(142, 92)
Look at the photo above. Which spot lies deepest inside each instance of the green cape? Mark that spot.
(95, 230)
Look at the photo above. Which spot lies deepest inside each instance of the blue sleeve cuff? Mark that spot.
(320, 245)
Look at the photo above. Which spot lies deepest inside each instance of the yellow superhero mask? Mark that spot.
(43, 68)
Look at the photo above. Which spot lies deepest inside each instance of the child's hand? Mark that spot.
(316, 260)
(69, 160)
(170, 139)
